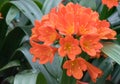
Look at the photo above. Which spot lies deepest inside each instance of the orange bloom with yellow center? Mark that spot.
(42, 52)
(104, 31)
(69, 47)
(90, 44)
(75, 19)
(48, 35)
(87, 21)
(75, 68)
(110, 3)
(65, 20)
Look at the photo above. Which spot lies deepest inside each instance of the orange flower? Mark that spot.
(90, 44)
(93, 71)
(35, 32)
(75, 19)
(48, 35)
(42, 52)
(69, 46)
(65, 20)
(0, 16)
(75, 68)
(50, 19)
(110, 3)
(87, 21)
(104, 31)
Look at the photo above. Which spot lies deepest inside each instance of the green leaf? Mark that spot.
(3, 26)
(29, 77)
(2, 2)
(3, 31)
(11, 43)
(118, 38)
(41, 1)
(49, 4)
(27, 29)
(106, 12)
(11, 14)
(116, 74)
(39, 4)
(9, 80)
(88, 3)
(118, 9)
(66, 79)
(112, 50)
(29, 9)
(24, 51)
(98, 5)
(114, 20)
(55, 68)
(11, 64)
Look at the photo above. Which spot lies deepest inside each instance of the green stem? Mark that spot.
(66, 79)
(106, 12)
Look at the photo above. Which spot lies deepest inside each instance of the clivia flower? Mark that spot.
(76, 30)
(110, 3)
(76, 67)
(42, 52)
(69, 47)
(90, 44)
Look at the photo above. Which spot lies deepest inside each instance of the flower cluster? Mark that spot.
(76, 29)
(110, 3)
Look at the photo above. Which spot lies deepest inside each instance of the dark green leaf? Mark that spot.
(3, 26)
(116, 75)
(2, 2)
(42, 1)
(39, 4)
(66, 79)
(11, 43)
(8, 80)
(3, 31)
(10, 64)
(106, 12)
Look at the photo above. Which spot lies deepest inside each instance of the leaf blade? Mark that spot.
(112, 50)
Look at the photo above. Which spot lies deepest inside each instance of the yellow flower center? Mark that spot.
(68, 47)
